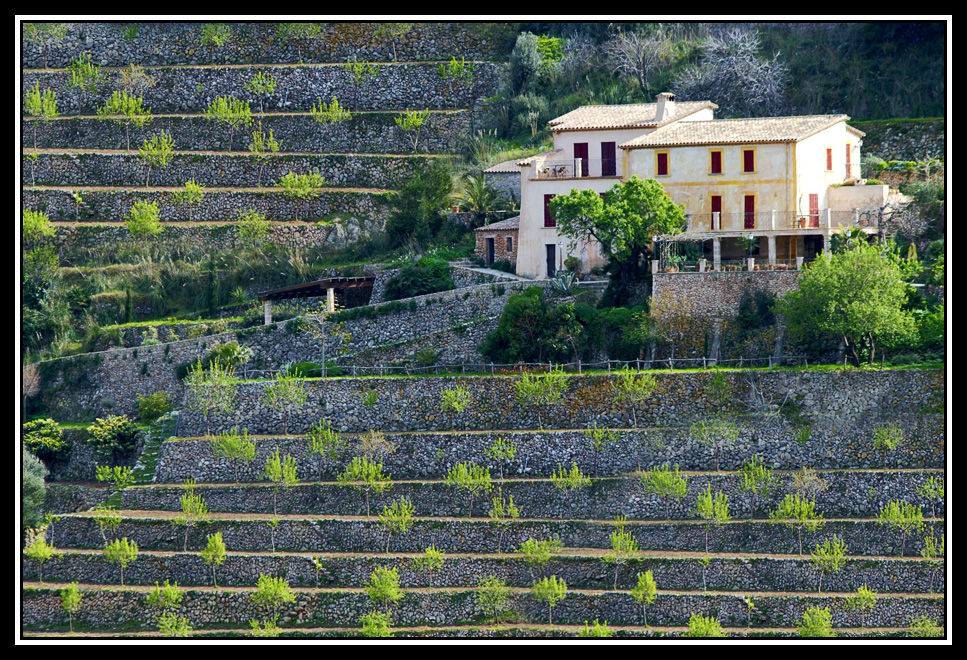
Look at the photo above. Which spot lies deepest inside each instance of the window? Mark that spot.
(748, 160)
(715, 161)
(716, 203)
(510, 244)
(749, 204)
(829, 159)
(548, 220)
(661, 163)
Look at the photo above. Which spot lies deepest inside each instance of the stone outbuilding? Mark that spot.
(498, 241)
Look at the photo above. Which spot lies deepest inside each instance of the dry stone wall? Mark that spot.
(904, 139)
(220, 170)
(398, 87)
(717, 294)
(165, 43)
(369, 132)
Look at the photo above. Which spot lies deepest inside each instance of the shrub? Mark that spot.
(115, 433)
(153, 406)
(43, 437)
(428, 275)
(33, 488)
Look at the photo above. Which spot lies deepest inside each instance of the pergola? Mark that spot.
(317, 289)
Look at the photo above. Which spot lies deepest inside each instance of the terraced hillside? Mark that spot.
(746, 570)
(363, 158)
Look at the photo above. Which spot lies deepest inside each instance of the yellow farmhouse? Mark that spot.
(775, 183)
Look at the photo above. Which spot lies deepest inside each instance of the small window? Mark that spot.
(548, 220)
(748, 160)
(829, 159)
(661, 163)
(715, 162)
(510, 244)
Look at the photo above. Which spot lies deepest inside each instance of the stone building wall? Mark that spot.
(717, 294)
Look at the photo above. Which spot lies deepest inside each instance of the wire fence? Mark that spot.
(520, 368)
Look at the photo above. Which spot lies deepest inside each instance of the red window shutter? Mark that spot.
(849, 159)
(716, 162)
(548, 220)
(748, 160)
(662, 164)
(829, 159)
(750, 211)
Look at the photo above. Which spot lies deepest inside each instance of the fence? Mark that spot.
(492, 369)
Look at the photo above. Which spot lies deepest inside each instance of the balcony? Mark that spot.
(823, 219)
(577, 168)
(748, 265)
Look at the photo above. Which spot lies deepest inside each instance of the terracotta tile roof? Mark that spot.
(506, 166)
(503, 225)
(739, 131)
(631, 115)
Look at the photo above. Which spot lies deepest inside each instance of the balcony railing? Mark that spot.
(578, 168)
(781, 220)
(749, 264)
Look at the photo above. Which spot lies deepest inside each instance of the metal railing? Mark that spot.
(782, 220)
(577, 168)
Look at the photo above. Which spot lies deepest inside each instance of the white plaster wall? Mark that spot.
(811, 174)
(566, 140)
(847, 198)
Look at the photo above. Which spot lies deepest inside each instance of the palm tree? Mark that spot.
(477, 197)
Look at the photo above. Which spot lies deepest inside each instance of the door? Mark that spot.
(750, 211)
(716, 208)
(581, 152)
(608, 161)
(813, 210)
(551, 260)
(490, 251)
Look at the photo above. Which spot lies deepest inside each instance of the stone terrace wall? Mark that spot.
(217, 205)
(370, 132)
(339, 170)
(70, 239)
(904, 139)
(844, 443)
(672, 573)
(412, 404)
(111, 609)
(847, 494)
(717, 294)
(191, 89)
(159, 43)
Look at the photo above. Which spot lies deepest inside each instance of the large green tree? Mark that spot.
(623, 221)
(856, 296)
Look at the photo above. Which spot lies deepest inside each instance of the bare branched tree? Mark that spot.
(631, 54)
(733, 76)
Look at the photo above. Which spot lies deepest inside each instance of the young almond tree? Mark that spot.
(107, 519)
(392, 31)
(85, 75)
(397, 519)
(157, 152)
(597, 630)
(263, 147)
(303, 187)
(454, 401)
(143, 222)
(191, 195)
(934, 552)
(663, 482)
(411, 123)
(798, 513)
(383, 587)
(623, 547)
(120, 477)
(714, 510)
(430, 560)
(211, 391)
(214, 553)
(454, 73)
(634, 388)
(282, 472)
(569, 481)
(286, 395)
(469, 477)
(39, 551)
(757, 479)
(829, 557)
(42, 105)
(272, 592)
(45, 35)
(230, 111)
(816, 622)
(538, 553)
(194, 511)
(234, 448)
(538, 391)
(359, 74)
(598, 441)
(262, 84)
(493, 595)
(704, 627)
(215, 35)
(300, 33)
(933, 490)
(502, 451)
(715, 434)
(125, 110)
(551, 591)
(121, 552)
(865, 599)
(70, 600)
(502, 513)
(329, 113)
(645, 592)
(376, 624)
(325, 443)
(365, 476)
(905, 517)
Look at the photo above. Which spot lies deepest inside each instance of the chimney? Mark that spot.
(666, 106)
